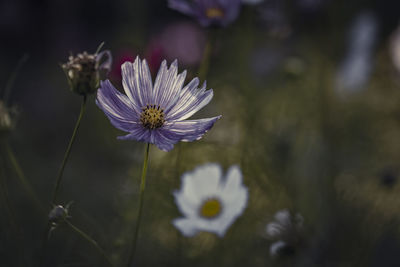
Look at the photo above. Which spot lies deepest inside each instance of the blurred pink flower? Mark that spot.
(182, 40)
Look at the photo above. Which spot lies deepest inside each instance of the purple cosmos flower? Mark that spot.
(156, 114)
(208, 12)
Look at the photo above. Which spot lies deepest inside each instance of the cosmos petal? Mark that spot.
(181, 6)
(204, 180)
(186, 226)
(189, 130)
(138, 133)
(234, 179)
(168, 103)
(283, 217)
(136, 80)
(273, 229)
(201, 184)
(168, 84)
(191, 100)
(276, 247)
(116, 106)
(185, 203)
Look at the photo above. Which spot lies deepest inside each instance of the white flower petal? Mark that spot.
(186, 203)
(186, 226)
(276, 247)
(274, 230)
(203, 183)
(204, 180)
(283, 217)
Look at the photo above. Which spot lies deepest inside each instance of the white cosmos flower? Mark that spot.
(208, 201)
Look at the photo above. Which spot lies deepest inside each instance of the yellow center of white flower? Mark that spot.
(152, 117)
(211, 208)
(214, 12)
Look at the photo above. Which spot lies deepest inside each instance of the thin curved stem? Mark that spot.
(6, 199)
(90, 240)
(205, 61)
(46, 234)
(10, 213)
(11, 80)
(68, 151)
(139, 214)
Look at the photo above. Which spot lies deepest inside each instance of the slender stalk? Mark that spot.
(68, 151)
(139, 214)
(205, 61)
(5, 198)
(90, 240)
(22, 179)
(46, 234)
(11, 80)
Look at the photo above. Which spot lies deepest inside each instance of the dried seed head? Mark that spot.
(83, 71)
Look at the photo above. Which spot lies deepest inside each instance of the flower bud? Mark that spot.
(58, 214)
(85, 70)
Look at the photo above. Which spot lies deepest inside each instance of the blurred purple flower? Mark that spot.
(156, 114)
(252, 2)
(209, 12)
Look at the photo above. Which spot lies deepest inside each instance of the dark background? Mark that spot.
(303, 142)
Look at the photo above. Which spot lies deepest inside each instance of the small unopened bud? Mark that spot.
(58, 214)
(84, 71)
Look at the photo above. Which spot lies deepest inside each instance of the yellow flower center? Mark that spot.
(214, 12)
(211, 208)
(152, 117)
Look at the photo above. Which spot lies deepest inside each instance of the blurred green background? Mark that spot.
(310, 98)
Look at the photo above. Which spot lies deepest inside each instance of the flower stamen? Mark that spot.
(211, 208)
(152, 117)
(214, 12)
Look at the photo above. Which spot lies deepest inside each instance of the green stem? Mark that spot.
(11, 80)
(139, 214)
(20, 174)
(46, 234)
(205, 61)
(90, 240)
(68, 151)
(5, 198)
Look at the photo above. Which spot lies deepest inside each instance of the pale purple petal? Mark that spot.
(191, 100)
(136, 80)
(231, 9)
(117, 107)
(189, 130)
(124, 111)
(181, 6)
(168, 85)
(138, 133)
(164, 141)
